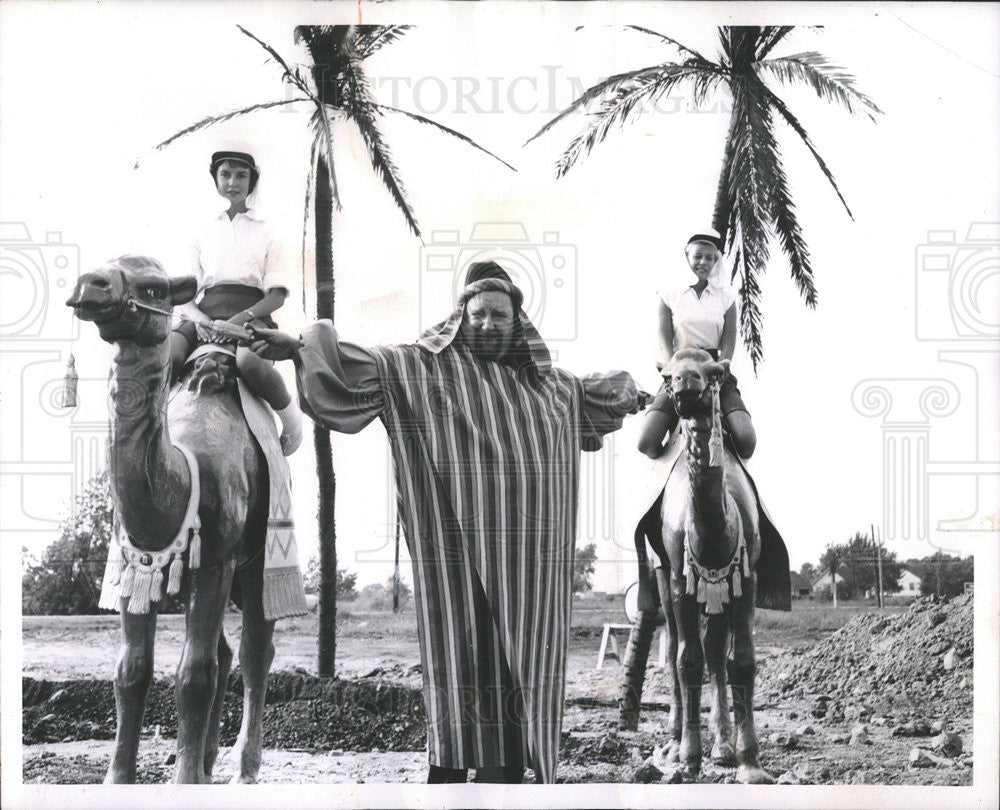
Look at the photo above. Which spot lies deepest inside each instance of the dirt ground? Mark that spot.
(851, 706)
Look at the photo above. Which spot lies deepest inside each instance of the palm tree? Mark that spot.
(832, 561)
(337, 91)
(753, 200)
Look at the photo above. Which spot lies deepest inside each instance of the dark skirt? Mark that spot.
(223, 301)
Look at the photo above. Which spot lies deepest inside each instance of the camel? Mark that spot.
(153, 487)
(708, 541)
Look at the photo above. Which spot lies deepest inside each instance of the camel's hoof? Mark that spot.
(243, 779)
(748, 775)
(722, 754)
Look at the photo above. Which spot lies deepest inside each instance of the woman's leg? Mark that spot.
(741, 429)
(655, 427)
(180, 348)
(264, 380)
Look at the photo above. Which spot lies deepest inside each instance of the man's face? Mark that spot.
(488, 325)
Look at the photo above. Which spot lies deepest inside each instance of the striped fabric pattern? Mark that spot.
(487, 473)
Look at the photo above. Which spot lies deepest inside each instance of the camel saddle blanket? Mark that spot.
(774, 587)
(283, 591)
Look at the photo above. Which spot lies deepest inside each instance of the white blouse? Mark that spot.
(698, 320)
(242, 250)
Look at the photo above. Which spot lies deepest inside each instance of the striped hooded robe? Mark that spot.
(486, 461)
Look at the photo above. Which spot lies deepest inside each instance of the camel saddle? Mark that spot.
(774, 586)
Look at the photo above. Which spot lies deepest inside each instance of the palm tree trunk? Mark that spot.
(323, 211)
(636, 656)
(833, 579)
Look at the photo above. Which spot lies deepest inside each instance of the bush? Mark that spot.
(346, 581)
(378, 596)
(67, 580)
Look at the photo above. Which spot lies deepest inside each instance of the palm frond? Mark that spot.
(793, 122)
(369, 38)
(683, 48)
(288, 74)
(771, 36)
(609, 85)
(218, 119)
(448, 130)
(322, 143)
(789, 234)
(831, 82)
(364, 112)
(619, 108)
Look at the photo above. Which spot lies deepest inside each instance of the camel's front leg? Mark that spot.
(691, 669)
(199, 669)
(133, 675)
(742, 671)
(225, 654)
(256, 655)
(721, 722)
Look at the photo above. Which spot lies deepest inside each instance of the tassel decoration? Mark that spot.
(746, 563)
(174, 580)
(194, 558)
(156, 588)
(70, 382)
(128, 580)
(702, 590)
(737, 583)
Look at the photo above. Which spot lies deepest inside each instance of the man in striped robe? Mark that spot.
(486, 438)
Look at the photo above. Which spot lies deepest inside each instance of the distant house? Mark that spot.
(909, 584)
(801, 587)
(821, 584)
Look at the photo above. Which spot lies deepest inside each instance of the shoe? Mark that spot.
(290, 440)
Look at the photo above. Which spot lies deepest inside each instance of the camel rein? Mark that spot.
(224, 328)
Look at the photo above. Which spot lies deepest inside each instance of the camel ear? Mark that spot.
(669, 382)
(183, 289)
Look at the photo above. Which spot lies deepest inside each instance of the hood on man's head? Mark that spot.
(488, 276)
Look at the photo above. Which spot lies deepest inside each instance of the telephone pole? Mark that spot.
(878, 558)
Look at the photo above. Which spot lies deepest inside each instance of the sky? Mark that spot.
(878, 408)
(619, 220)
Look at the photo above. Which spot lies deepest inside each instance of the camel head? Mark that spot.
(689, 375)
(130, 298)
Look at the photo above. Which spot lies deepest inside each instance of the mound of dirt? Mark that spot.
(302, 712)
(913, 664)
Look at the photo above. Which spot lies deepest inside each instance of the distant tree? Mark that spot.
(859, 566)
(346, 580)
(808, 572)
(831, 562)
(378, 595)
(942, 573)
(67, 579)
(583, 568)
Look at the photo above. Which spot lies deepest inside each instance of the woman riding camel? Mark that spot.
(240, 269)
(699, 316)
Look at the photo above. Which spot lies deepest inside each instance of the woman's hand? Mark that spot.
(274, 345)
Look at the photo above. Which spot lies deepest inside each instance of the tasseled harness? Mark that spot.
(141, 577)
(711, 586)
